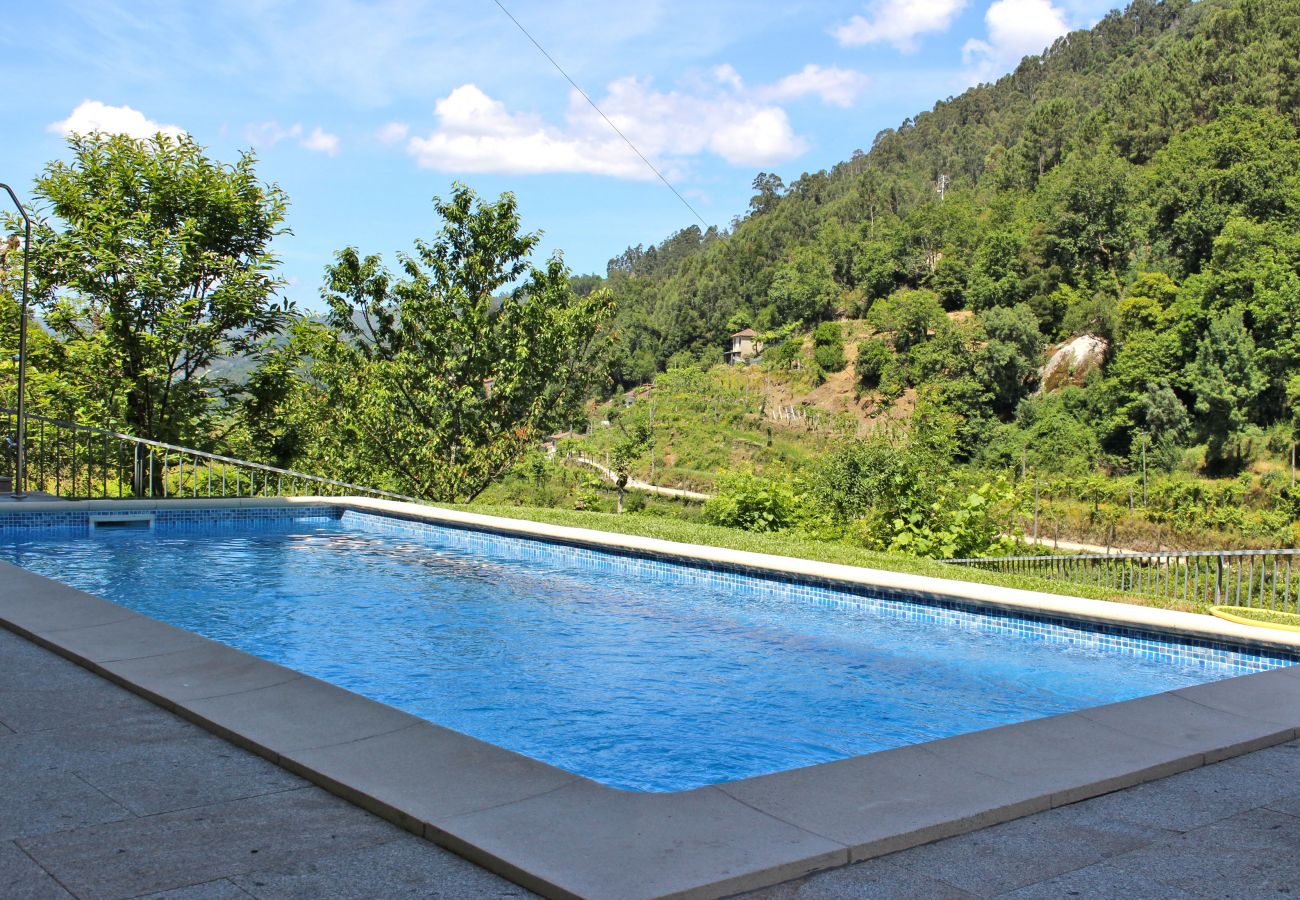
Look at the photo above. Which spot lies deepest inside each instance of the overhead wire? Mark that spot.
(608, 121)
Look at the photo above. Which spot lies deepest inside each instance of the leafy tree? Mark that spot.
(1091, 225)
(162, 266)
(907, 317)
(1009, 358)
(877, 270)
(804, 289)
(828, 347)
(625, 452)
(1225, 381)
(1240, 164)
(438, 380)
(768, 190)
(998, 272)
(1166, 423)
(874, 357)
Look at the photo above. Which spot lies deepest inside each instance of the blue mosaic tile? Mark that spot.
(916, 607)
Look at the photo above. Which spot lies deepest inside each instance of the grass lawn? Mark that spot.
(802, 548)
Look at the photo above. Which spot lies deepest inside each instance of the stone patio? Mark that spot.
(103, 794)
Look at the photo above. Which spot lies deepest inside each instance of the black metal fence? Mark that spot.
(1267, 579)
(80, 462)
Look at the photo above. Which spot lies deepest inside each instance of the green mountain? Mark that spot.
(1136, 182)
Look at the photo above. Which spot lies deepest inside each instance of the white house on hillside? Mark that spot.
(744, 346)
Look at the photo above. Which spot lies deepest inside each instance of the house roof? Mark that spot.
(748, 332)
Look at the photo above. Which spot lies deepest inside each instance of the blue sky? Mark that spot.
(363, 110)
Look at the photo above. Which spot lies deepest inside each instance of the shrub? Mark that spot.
(748, 501)
(874, 358)
(828, 348)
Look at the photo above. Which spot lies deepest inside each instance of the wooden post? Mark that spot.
(1144, 470)
(1036, 483)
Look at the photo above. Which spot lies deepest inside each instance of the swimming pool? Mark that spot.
(635, 672)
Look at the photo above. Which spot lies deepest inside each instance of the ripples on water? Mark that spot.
(632, 681)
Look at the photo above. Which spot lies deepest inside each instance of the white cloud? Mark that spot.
(836, 87)
(320, 141)
(476, 133)
(92, 116)
(1016, 28)
(268, 134)
(898, 22)
(393, 132)
(727, 74)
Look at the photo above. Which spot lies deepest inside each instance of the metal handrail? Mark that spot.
(20, 461)
(1155, 554)
(194, 454)
(1265, 578)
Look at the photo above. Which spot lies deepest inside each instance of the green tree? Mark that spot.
(1225, 381)
(1009, 358)
(438, 380)
(874, 358)
(803, 289)
(625, 452)
(828, 347)
(1240, 164)
(907, 317)
(162, 266)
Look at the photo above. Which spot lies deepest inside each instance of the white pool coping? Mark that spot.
(567, 836)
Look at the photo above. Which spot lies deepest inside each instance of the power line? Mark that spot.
(626, 139)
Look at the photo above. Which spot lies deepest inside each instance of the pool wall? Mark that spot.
(567, 836)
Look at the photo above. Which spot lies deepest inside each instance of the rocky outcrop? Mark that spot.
(1071, 362)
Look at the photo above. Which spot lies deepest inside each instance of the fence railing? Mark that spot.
(80, 462)
(1269, 579)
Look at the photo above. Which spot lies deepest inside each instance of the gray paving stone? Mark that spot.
(1282, 759)
(150, 762)
(1289, 805)
(87, 744)
(27, 666)
(52, 707)
(21, 877)
(5, 729)
(36, 803)
(1253, 854)
(405, 867)
(1196, 798)
(144, 855)
(192, 771)
(1005, 857)
(874, 878)
(1098, 882)
(221, 889)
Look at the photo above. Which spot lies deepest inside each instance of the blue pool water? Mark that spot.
(640, 675)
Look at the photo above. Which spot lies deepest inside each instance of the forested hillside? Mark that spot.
(1137, 182)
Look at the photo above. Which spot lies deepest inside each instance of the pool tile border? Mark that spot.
(566, 836)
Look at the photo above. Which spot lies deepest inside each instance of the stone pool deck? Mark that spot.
(541, 827)
(103, 794)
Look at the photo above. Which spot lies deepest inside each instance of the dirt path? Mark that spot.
(637, 485)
